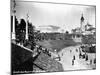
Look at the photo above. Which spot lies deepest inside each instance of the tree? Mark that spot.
(20, 30)
(31, 40)
(16, 29)
(66, 32)
(31, 30)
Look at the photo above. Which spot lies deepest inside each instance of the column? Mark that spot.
(13, 32)
(26, 37)
(14, 11)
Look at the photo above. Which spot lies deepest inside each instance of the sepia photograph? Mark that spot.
(52, 37)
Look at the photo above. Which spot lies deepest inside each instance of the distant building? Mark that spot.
(87, 29)
(77, 32)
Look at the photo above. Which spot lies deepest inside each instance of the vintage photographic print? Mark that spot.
(52, 37)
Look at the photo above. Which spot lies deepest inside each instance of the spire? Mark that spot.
(82, 23)
(82, 18)
(27, 16)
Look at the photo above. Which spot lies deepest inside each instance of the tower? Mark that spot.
(82, 24)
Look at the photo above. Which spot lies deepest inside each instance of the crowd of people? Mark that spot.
(83, 55)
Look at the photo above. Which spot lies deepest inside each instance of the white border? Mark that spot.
(5, 36)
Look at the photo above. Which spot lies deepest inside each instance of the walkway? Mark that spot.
(67, 56)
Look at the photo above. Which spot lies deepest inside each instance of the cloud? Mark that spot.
(49, 28)
(54, 27)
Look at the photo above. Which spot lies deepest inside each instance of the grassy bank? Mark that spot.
(57, 44)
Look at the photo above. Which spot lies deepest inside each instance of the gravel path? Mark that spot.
(67, 56)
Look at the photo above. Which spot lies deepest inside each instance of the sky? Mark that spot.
(51, 17)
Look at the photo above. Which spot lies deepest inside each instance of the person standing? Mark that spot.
(62, 54)
(90, 61)
(76, 50)
(74, 57)
(94, 60)
(86, 57)
(80, 55)
(59, 57)
(72, 62)
(70, 51)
